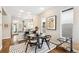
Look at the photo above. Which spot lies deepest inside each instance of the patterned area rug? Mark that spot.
(20, 48)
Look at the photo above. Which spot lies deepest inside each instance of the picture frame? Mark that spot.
(51, 23)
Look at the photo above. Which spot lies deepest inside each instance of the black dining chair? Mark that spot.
(33, 42)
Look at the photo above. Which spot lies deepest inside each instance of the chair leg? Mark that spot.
(47, 43)
(35, 48)
(26, 47)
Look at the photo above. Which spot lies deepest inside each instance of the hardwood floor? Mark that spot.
(7, 43)
(59, 50)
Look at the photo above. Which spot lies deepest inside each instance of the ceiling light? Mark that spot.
(41, 8)
(21, 10)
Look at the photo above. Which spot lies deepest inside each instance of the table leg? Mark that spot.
(47, 43)
(42, 42)
(35, 48)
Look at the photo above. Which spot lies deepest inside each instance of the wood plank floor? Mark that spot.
(59, 50)
(7, 43)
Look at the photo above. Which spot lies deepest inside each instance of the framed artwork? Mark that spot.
(51, 22)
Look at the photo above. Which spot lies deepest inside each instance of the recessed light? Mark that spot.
(21, 10)
(42, 8)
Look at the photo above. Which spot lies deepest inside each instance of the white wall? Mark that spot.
(0, 29)
(6, 19)
(76, 29)
(54, 33)
(36, 21)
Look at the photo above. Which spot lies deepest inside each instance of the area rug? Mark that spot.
(20, 48)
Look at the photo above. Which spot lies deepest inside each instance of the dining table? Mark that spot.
(41, 38)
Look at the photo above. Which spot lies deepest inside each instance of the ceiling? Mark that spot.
(23, 11)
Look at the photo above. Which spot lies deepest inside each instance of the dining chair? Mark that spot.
(32, 41)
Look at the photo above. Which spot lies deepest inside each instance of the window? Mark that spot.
(66, 23)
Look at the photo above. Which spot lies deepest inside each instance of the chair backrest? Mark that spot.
(25, 33)
(48, 37)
